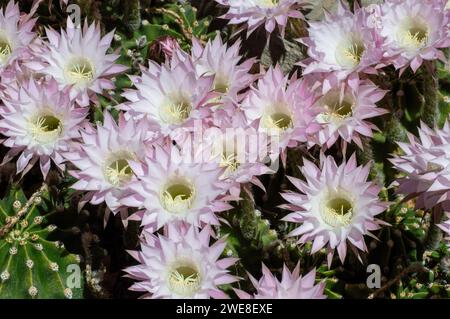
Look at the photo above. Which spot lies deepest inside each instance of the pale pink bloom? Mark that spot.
(231, 76)
(15, 33)
(336, 204)
(242, 153)
(415, 30)
(172, 187)
(170, 96)
(39, 121)
(343, 42)
(426, 163)
(77, 57)
(346, 106)
(256, 13)
(181, 265)
(291, 286)
(282, 107)
(107, 159)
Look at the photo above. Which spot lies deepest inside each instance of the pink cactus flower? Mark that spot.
(107, 159)
(337, 204)
(415, 30)
(291, 286)
(343, 42)
(181, 265)
(346, 106)
(243, 154)
(15, 33)
(426, 163)
(39, 121)
(282, 107)
(170, 96)
(77, 57)
(172, 187)
(256, 13)
(231, 76)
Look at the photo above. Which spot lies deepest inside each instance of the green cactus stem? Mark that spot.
(31, 266)
(430, 91)
(132, 14)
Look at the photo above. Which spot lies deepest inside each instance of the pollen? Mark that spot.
(80, 71)
(279, 121)
(184, 279)
(117, 170)
(176, 112)
(178, 196)
(5, 49)
(337, 211)
(45, 129)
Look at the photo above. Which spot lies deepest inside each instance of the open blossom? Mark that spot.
(15, 33)
(230, 75)
(174, 188)
(415, 30)
(39, 122)
(241, 153)
(346, 107)
(291, 286)
(282, 107)
(181, 265)
(256, 13)
(77, 58)
(170, 95)
(342, 42)
(336, 204)
(426, 163)
(104, 159)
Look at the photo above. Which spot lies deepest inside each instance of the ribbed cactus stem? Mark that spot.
(430, 91)
(132, 14)
(30, 265)
(13, 220)
(367, 155)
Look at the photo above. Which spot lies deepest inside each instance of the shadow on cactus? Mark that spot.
(32, 266)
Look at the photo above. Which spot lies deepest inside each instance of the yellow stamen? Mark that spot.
(46, 129)
(184, 279)
(337, 212)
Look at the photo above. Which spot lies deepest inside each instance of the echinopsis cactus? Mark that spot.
(225, 149)
(31, 265)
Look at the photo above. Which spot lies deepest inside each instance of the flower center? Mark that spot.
(413, 34)
(176, 111)
(337, 212)
(229, 161)
(350, 52)
(184, 279)
(5, 49)
(221, 87)
(46, 129)
(266, 3)
(336, 109)
(118, 171)
(178, 196)
(280, 121)
(80, 71)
